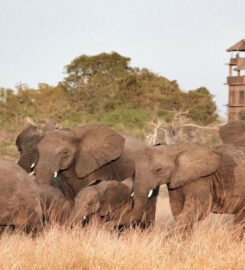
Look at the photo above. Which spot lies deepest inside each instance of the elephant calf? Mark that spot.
(19, 198)
(106, 198)
(200, 180)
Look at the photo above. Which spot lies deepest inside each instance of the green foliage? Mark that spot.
(127, 116)
(201, 106)
(105, 89)
(111, 66)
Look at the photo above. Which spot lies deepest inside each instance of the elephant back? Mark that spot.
(233, 133)
(230, 175)
(19, 197)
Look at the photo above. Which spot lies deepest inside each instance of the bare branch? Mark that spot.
(173, 132)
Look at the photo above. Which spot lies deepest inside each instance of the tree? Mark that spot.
(82, 68)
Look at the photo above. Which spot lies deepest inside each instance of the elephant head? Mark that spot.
(103, 197)
(82, 149)
(27, 142)
(174, 165)
(233, 133)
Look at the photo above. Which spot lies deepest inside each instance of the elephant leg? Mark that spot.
(176, 201)
(239, 223)
(197, 204)
(150, 211)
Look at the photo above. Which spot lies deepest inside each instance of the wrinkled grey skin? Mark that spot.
(19, 198)
(199, 180)
(233, 133)
(103, 198)
(85, 154)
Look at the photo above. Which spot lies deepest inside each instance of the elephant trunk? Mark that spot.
(45, 171)
(129, 183)
(25, 163)
(28, 160)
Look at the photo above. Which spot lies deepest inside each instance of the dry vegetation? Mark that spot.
(210, 247)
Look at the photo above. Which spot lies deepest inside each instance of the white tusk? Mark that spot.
(55, 174)
(132, 195)
(33, 165)
(84, 217)
(31, 173)
(150, 193)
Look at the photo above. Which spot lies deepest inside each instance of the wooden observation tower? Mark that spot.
(236, 83)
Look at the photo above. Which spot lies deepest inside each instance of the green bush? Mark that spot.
(127, 116)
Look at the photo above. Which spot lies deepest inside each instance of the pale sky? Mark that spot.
(183, 40)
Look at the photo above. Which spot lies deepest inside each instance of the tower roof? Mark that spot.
(239, 46)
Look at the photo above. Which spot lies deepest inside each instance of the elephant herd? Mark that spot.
(68, 175)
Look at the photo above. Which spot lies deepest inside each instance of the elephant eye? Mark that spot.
(158, 170)
(90, 203)
(65, 152)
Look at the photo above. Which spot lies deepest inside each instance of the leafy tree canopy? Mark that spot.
(104, 88)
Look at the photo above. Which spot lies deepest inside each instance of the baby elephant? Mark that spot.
(104, 198)
(19, 198)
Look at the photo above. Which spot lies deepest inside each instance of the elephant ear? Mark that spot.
(26, 133)
(191, 164)
(98, 146)
(112, 200)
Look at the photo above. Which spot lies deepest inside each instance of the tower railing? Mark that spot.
(235, 80)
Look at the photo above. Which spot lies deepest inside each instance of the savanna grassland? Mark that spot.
(96, 247)
(105, 89)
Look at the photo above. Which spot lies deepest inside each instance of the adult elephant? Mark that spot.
(85, 154)
(19, 198)
(55, 206)
(199, 180)
(233, 133)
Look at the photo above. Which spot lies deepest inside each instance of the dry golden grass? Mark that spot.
(210, 247)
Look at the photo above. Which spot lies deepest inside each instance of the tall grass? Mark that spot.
(95, 247)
